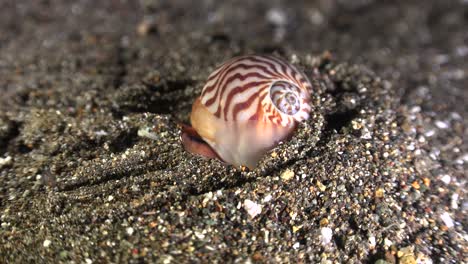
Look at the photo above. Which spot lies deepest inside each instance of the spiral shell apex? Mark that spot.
(248, 105)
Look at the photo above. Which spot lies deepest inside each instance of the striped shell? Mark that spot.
(248, 105)
(243, 86)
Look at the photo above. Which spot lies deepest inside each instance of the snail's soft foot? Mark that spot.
(194, 144)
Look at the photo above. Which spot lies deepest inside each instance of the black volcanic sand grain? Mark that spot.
(92, 167)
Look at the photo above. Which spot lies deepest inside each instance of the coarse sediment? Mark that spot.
(92, 167)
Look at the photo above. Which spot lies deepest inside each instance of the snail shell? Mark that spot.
(248, 105)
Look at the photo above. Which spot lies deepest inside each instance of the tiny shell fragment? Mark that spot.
(252, 208)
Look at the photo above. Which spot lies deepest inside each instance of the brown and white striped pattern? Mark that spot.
(257, 88)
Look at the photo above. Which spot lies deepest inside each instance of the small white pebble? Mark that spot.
(294, 59)
(424, 222)
(423, 259)
(464, 157)
(130, 231)
(267, 198)
(267, 236)
(296, 245)
(448, 221)
(147, 132)
(446, 179)
(207, 197)
(276, 17)
(47, 243)
(454, 202)
(5, 161)
(101, 133)
(388, 242)
(421, 139)
(429, 133)
(441, 124)
(210, 248)
(372, 242)
(252, 208)
(455, 115)
(326, 235)
(366, 134)
(88, 261)
(167, 259)
(199, 235)
(415, 109)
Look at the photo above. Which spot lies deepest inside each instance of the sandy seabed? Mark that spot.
(92, 168)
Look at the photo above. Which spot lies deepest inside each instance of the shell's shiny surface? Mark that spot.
(248, 105)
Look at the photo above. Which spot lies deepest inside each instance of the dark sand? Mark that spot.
(92, 169)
